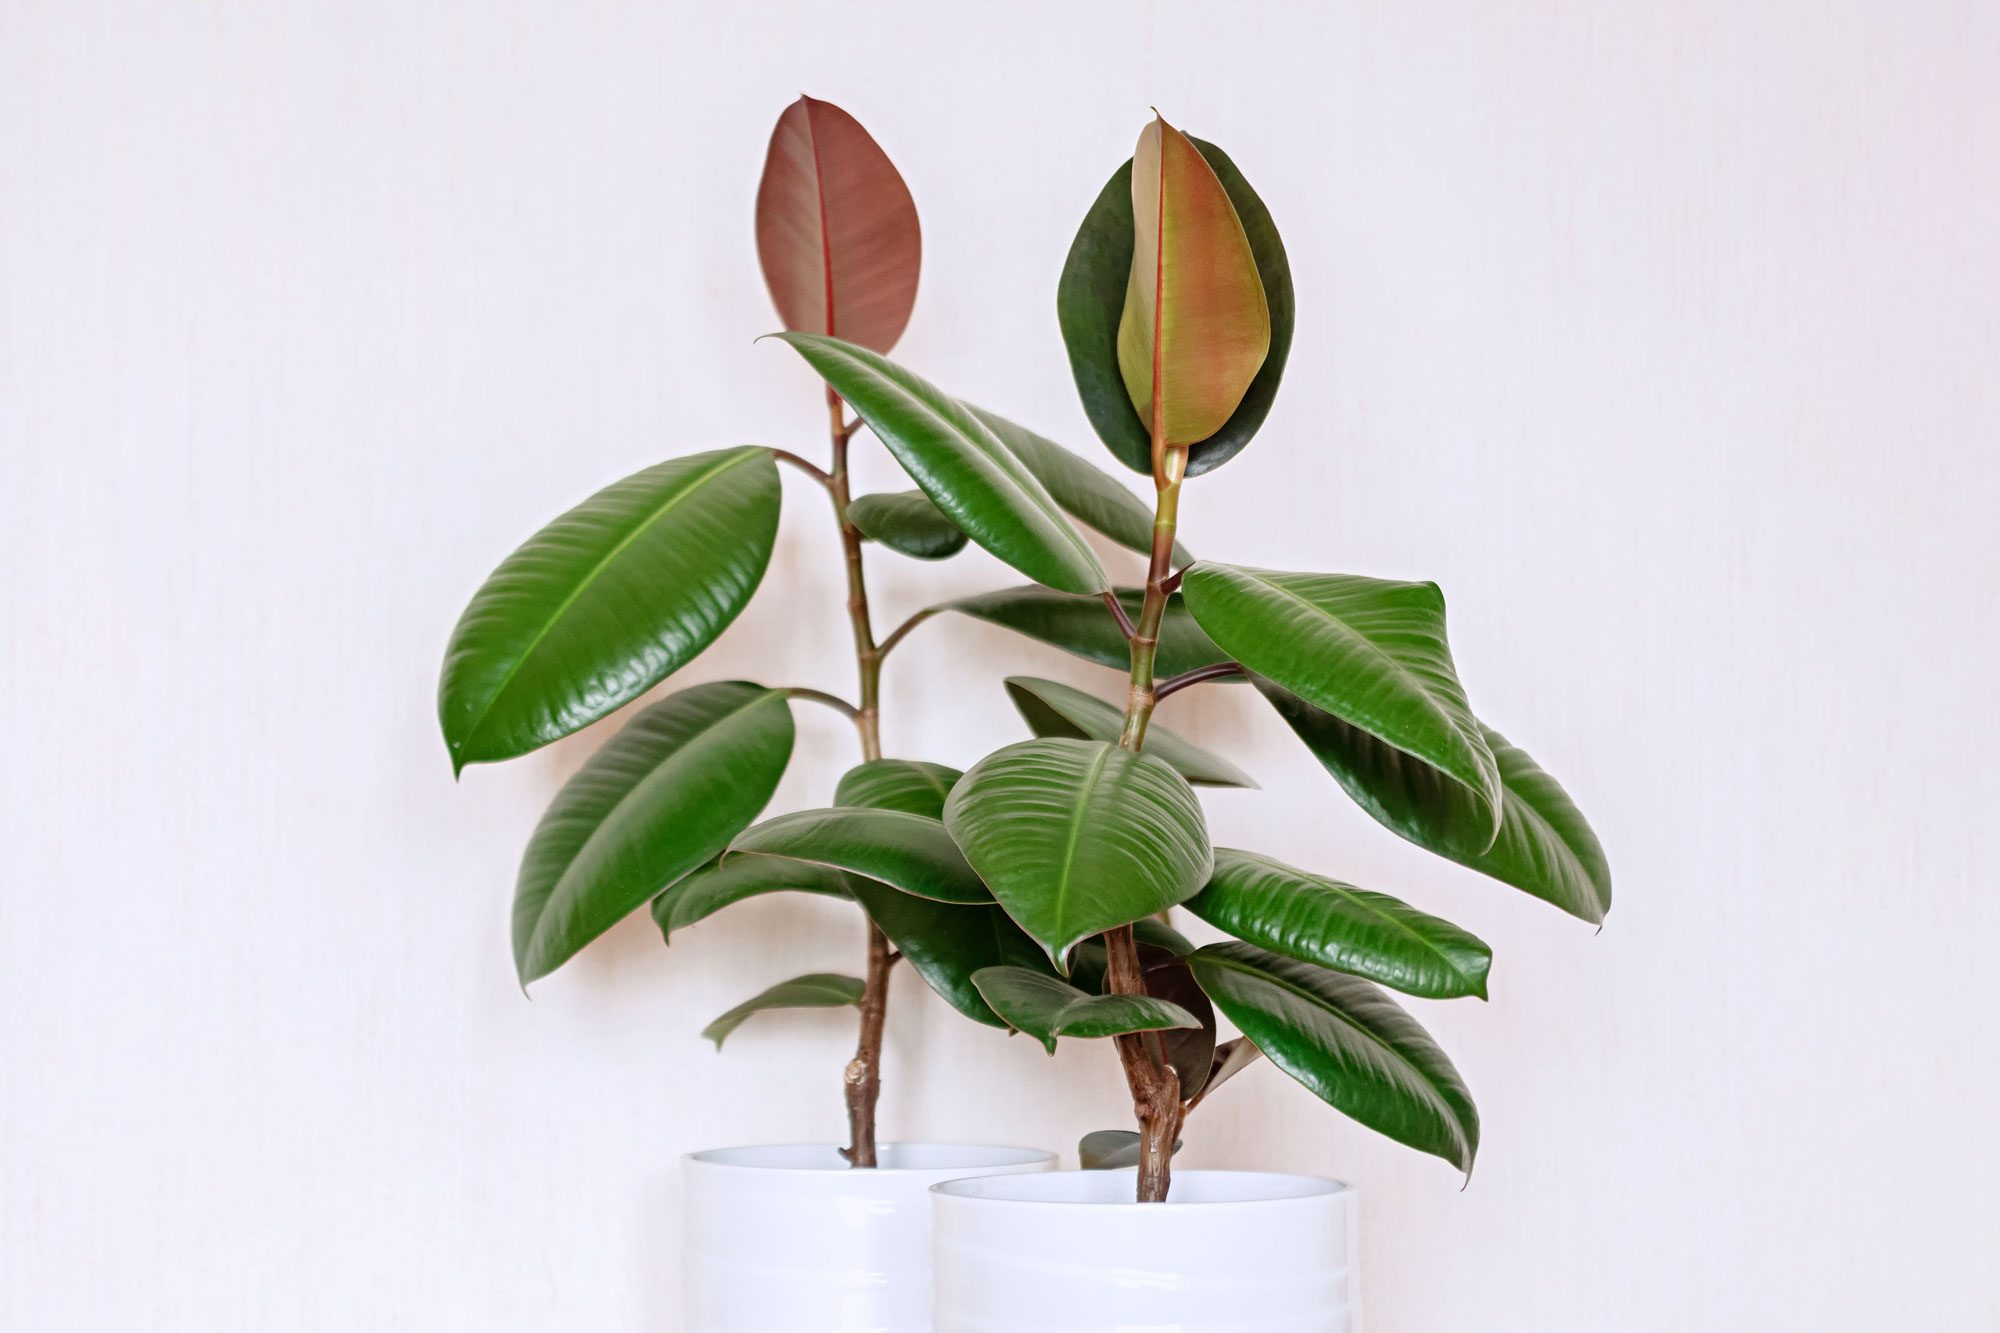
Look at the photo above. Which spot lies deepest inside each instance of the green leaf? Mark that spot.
(1085, 626)
(1086, 493)
(947, 943)
(1320, 920)
(1046, 1008)
(712, 888)
(660, 800)
(1052, 709)
(1077, 837)
(1190, 1052)
(1091, 300)
(815, 990)
(907, 522)
(1544, 848)
(1370, 651)
(976, 480)
(606, 602)
(1110, 1150)
(1347, 1042)
(905, 851)
(909, 785)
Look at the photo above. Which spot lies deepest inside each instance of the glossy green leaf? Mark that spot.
(907, 522)
(1091, 301)
(947, 943)
(1086, 493)
(1347, 1042)
(712, 888)
(815, 990)
(966, 471)
(1053, 709)
(1047, 1008)
(1544, 847)
(1076, 837)
(660, 800)
(908, 852)
(1320, 920)
(1369, 651)
(1111, 1150)
(909, 785)
(1085, 626)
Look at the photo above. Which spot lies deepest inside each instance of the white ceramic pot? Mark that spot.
(1070, 1252)
(791, 1239)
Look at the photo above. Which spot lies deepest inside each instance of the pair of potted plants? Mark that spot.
(1033, 890)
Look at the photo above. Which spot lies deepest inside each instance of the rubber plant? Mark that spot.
(1176, 306)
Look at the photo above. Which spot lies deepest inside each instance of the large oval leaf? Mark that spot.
(1347, 1042)
(1091, 300)
(967, 472)
(947, 943)
(604, 603)
(1084, 626)
(1077, 837)
(1370, 651)
(1046, 1008)
(1318, 920)
(908, 523)
(1544, 846)
(1054, 709)
(910, 785)
(816, 990)
(908, 852)
(661, 799)
(712, 888)
(1195, 326)
(837, 231)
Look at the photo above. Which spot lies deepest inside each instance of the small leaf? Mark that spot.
(1110, 1150)
(907, 522)
(1348, 1043)
(1544, 847)
(948, 943)
(985, 490)
(815, 990)
(1046, 1008)
(1231, 1058)
(1076, 837)
(1085, 626)
(1319, 920)
(1194, 313)
(1369, 651)
(907, 852)
(837, 231)
(1190, 1052)
(909, 785)
(714, 887)
(660, 800)
(606, 602)
(1052, 709)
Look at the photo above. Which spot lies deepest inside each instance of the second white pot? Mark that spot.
(1070, 1252)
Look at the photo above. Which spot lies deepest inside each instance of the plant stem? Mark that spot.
(864, 1072)
(1214, 671)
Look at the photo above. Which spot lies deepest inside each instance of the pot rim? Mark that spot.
(1284, 1188)
(824, 1160)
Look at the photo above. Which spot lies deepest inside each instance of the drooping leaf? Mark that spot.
(907, 522)
(712, 888)
(1347, 1042)
(660, 800)
(1195, 316)
(1091, 301)
(909, 785)
(1544, 847)
(1110, 1150)
(1053, 709)
(985, 490)
(1369, 651)
(1086, 493)
(908, 852)
(607, 601)
(1085, 626)
(837, 231)
(1047, 1008)
(947, 943)
(1320, 920)
(815, 990)
(1076, 837)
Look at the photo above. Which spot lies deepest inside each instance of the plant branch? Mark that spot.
(1118, 610)
(896, 635)
(818, 474)
(833, 701)
(1214, 671)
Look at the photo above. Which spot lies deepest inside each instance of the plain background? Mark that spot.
(1663, 336)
